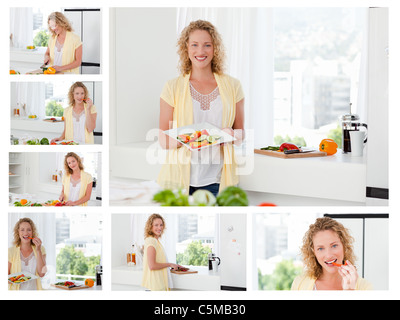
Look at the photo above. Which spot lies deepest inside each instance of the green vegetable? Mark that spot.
(33, 142)
(232, 196)
(272, 148)
(170, 198)
(203, 198)
(44, 141)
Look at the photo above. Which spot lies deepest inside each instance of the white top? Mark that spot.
(78, 121)
(206, 164)
(28, 264)
(74, 189)
(58, 52)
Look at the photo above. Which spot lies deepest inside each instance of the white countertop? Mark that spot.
(203, 280)
(335, 178)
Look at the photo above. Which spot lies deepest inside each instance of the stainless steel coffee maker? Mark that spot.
(212, 257)
(350, 122)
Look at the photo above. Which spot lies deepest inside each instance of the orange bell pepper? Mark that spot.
(329, 146)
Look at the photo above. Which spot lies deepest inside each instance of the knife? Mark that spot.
(297, 151)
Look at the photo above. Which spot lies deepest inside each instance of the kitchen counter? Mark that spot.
(23, 60)
(332, 180)
(203, 280)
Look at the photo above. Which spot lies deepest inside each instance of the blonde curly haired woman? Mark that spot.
(76, 183)
(80, 117)
(329, 259)
(64, 51)
(202, 93)
(27, 255)
(155, 265)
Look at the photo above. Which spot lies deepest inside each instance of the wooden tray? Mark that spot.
(184, 272)
(66, 288)
(282, 155)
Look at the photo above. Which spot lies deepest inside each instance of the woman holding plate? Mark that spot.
(202, 93)
(329, 259)
(76, 183)
(64, 51)
(80, 117)
(27, 255)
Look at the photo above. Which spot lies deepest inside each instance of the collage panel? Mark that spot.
(55, 251)
(270, 101)
(179, 252)
(56, 113)
(39, 179)
(55, 40)
(320, 251)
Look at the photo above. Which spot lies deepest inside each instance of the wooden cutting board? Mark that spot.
(66, 288)
(282, 155)
(184, 272)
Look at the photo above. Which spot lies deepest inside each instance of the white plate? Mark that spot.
(27, 274)
(211, 129)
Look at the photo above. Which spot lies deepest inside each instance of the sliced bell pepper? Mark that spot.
(288, 146)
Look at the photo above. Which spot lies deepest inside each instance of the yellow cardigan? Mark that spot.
(14, 257)
(175, 173)
(86, 178)
(154, 280)
(69, 126)
(304, 282)
(71, 43)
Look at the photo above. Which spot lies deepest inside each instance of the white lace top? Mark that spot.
(78, 121)
(206, 165)
(58, 52)
(74, 189)
(28, 264)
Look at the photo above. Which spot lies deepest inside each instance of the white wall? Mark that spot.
(121, 238)
(144, 40)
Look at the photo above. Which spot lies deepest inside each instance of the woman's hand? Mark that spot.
(37, 242)
(46, 59)
(61, 198)
(89, 103)
(70, 203)
(349, 276)
(55, 140)
(175, 266)
(58, 68)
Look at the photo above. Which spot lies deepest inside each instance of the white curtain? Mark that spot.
(21, 26)
(30, 94)
(46, 227)
(247, 34)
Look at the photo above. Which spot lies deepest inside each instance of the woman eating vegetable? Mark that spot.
(80, 117)
(76, 183)
(26, 256)
(202, 93)
(64, 51)
(329, 259)
(156, 275)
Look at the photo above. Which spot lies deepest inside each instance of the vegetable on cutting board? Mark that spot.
(288, 146)
(329, 146)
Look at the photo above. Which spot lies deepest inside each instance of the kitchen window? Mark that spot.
(79, 249)
(317, 60)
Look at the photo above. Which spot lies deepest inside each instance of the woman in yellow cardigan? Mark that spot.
(155, 265)
(64, 51)
(76, 183)
(202, 93)
(329, 259)
(80, 117)
(27, 255)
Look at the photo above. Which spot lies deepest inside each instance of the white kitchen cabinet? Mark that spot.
(16, 172)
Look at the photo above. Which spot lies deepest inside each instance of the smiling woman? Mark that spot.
(329, 259)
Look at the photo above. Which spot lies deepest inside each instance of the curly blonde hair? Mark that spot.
(313, 268)
(148, 232)
(68, 170)
(218, 61)
(17, 239)
(77, 84)
(60, 20)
